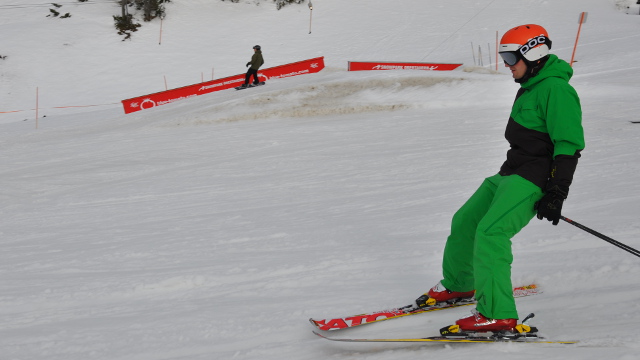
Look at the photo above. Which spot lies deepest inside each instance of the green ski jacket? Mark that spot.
(545, 127)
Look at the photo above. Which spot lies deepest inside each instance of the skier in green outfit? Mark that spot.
(546, 137)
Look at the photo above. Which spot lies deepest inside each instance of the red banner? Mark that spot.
(359, 66)
(165, 97)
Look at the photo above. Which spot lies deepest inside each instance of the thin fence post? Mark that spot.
(473, 53)
(37, 100)
(497, 51)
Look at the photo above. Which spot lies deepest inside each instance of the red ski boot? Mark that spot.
(439, 294)
(480, 323)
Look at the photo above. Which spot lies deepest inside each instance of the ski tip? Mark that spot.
(320, 335)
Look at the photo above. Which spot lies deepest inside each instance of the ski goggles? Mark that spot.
(511, 57)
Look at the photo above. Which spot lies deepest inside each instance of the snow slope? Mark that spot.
(214, 227)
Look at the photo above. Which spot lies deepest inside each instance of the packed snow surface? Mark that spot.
(214, 227)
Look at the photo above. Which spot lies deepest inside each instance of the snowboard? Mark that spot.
(250, 86)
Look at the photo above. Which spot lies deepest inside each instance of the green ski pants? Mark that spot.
(478, 250)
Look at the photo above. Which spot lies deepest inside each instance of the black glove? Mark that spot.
(550, 206)
(249, 63)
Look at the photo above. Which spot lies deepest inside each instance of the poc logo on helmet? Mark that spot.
(538, 40)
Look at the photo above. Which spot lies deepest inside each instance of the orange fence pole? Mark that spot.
(583, 19)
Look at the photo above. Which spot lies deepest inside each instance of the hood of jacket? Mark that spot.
(554, 67)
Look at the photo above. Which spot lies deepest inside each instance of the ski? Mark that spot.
(413, 309)
(453, 334)
(475, 338)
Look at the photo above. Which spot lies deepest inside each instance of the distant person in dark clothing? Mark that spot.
(254, 65)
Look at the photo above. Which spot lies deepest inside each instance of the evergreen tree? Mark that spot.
(151, 9)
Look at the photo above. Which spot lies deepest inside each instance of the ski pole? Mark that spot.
(603, 237)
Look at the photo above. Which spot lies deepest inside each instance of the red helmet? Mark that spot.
(530, 42)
